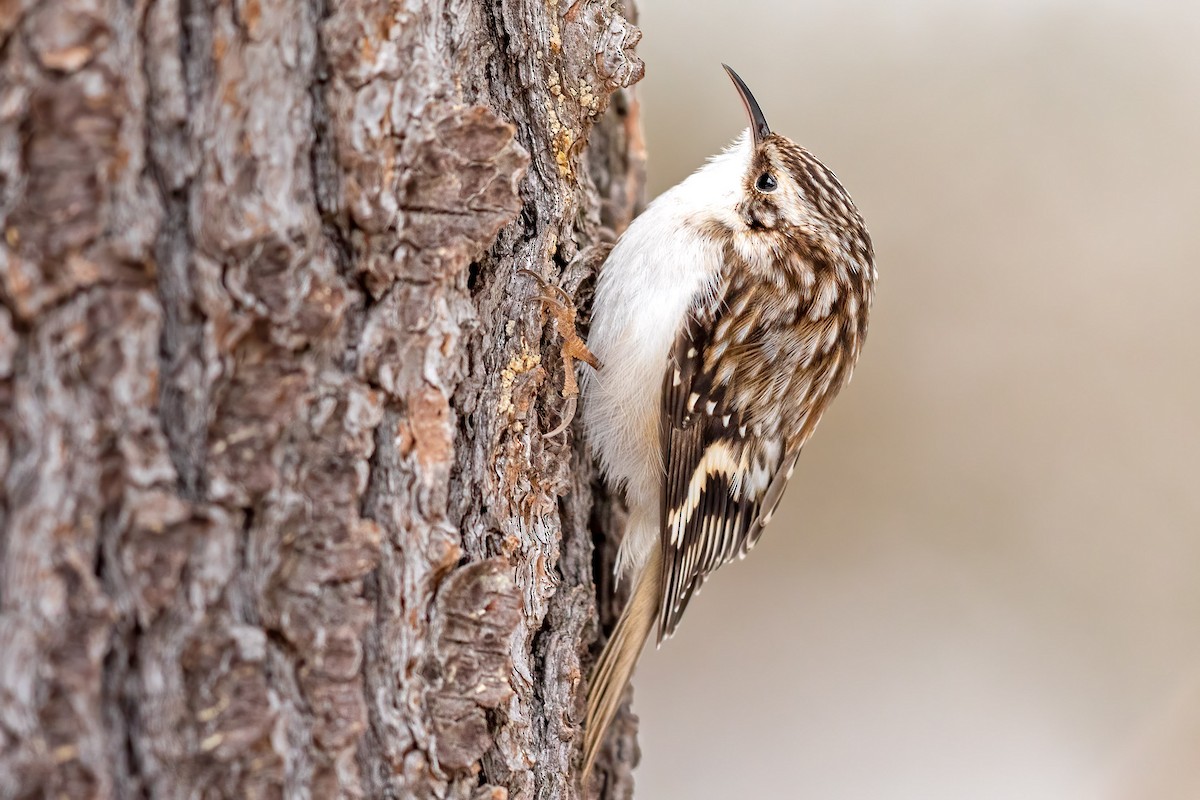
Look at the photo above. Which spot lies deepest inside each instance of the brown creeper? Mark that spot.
(727, 317)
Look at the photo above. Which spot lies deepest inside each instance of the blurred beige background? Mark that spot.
(985, 584)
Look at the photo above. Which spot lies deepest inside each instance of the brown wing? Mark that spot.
(721, 475)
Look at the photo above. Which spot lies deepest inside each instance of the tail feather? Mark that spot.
(619, 657)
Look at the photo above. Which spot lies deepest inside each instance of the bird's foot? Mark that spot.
(562, 311)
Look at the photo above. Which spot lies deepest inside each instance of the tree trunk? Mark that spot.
(278, 516)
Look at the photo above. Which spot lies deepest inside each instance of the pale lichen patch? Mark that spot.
(563, 137)
(522, 362)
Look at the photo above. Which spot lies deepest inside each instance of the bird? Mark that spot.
(725, 319)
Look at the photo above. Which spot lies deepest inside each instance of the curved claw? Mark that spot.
(554, 303)
(568, 416)
(563, 297)
(562, 303)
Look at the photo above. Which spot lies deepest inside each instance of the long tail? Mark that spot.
(620, 656)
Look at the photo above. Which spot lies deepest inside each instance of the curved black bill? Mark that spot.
(758, 122)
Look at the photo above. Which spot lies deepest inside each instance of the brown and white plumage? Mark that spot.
(727, 318)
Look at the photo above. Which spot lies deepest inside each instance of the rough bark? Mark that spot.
(278, 517)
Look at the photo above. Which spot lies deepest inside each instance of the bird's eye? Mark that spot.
(766, 182)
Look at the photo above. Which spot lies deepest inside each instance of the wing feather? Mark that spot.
(719, 472)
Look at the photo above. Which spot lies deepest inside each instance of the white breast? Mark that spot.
(659, 268)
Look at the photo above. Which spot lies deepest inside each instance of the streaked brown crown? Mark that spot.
(808, 206)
